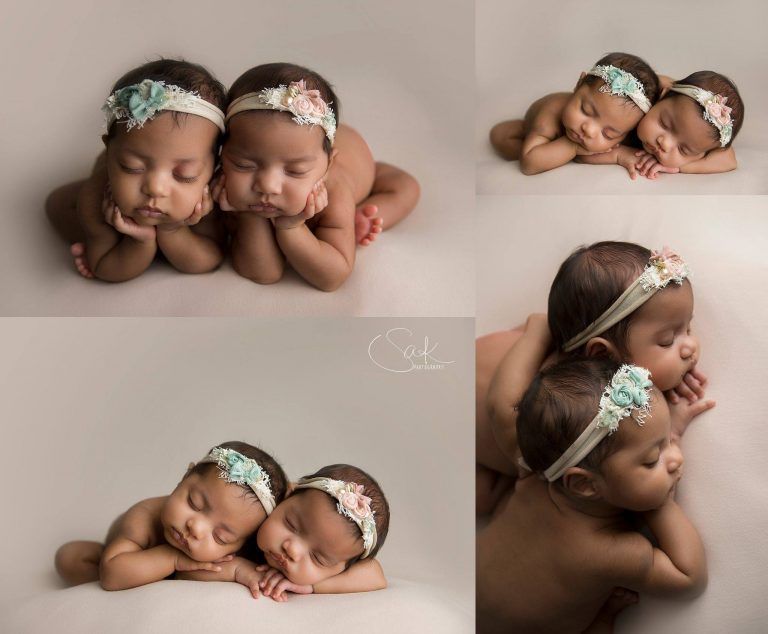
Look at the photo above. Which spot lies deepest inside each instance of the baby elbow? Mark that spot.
(527, 168)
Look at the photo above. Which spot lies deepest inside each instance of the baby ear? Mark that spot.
(601, 347)
(580, 482)
(664, 91)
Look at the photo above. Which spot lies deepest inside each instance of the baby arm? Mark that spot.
(678, 566)
(130, 560)
(323, 258)
(543, 150)
(715, 162)
(194, 245)
(513, 376)
(117, 249)
(238, 569)
(622, 155)
(362, 576)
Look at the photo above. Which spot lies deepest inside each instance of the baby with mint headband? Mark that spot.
(149, 191)
(323, 538)
(298, 187)
(607, 103)
(689, 130)
(219, 503)
(617, 300)
(564, 552)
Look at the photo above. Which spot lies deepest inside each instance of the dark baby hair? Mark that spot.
(634, 65)
(176, 72)
(278, 481)
(371, 489)
(282, 73)
(587, 283)
(558, 405)
(719, 85)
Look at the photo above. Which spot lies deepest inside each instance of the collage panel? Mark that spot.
(546, 266)
(103, 414)
(384, 141)
(534, 84)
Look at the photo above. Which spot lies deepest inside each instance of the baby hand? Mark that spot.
(187, 564)
(691, 387)
(122, 224)
(650, 167)
(682, 411)
(581, 151)
(627, 159)
(317, 200)
(249, 575)
(203, 207)
(220, 193)
(275, 584)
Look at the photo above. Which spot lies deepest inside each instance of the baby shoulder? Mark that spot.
(626, 559)
(545, 115)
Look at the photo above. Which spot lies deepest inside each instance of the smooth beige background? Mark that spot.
(725, 488)
(98, 414)
(526, 50)
(399, 68)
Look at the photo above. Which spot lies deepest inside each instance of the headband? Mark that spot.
(306, 106)
(620, 82)
(715, 110)
(141, 102)
(629, 390)
(236, 468)
(663, 267)
(351, 503)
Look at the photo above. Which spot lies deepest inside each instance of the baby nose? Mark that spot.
(195, 527)
(154, 185)
(292, 549)
(588, 129)
(663, 143)
(689, 348)
(674, 458)
(268, 182)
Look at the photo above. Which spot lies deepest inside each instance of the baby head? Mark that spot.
(620, 300)
(164, 121)
(333, 518)
(600, 432)
(222, 500)
(609, 100)
(281, 124)
(698, 114)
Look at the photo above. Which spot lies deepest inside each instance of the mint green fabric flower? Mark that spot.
(142, 100)
(623, 395)
(621, 83)
(242, 469)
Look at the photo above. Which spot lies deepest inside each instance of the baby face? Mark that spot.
(644, 471)
(157, 172)
(598, 121)
(207, 517)
(271, 163)
(675, 132)
(307, 539)
(660, 337)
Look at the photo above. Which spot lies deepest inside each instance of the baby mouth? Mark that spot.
(180, 539)
(264, 207)
(277, 559)
(150, 212)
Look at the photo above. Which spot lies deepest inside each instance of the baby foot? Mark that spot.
(78, 253)
(367, 224)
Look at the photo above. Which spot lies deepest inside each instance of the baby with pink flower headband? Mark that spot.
(322, 538)
(297, 187)
(610, 299)
(689, 130)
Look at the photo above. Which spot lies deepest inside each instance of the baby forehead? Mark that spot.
(319, 515)
(674, 302)
(688, 119)
(613, 109)
(228, 501)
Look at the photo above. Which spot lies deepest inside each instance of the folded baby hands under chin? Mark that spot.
(317, 200)
(267, 581)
